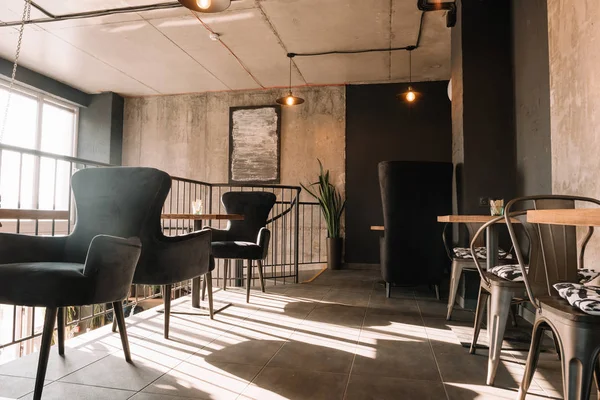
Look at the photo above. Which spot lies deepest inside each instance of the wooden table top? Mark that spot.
(20, 213)
(378, 228)
(482, 219)
(574, 217)
(205, 217)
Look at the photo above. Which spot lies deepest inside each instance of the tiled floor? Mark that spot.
(336, 338)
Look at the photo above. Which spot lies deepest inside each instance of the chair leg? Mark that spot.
(499, 309)
(49, 321)
(119, 316)
(60, 327)
(167, 302)
(481, 303)
(208, 282)
(248, 281)
(578, 365)
(114, 324)
(261, 277)
(513, 314)
(437, 291)
(532, 360)
(204, 286)
(457, 270)
(388, 289)
(225, 273)
(597, 376)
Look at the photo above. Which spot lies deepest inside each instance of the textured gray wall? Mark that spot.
(532, 97)
(188, 135)
(574, 34)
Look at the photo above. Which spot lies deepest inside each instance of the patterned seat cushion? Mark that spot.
(511, 272)
(464, 253)
(586, 298)
(586, 274)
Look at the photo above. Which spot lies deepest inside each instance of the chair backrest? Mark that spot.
(254, 206)
(553, 250)
(118, 201)
(413, 195)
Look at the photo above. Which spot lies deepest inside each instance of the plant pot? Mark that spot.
(334, 253)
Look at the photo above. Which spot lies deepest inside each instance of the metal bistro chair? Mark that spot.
(503, 286)
(576, 333)
(462, 260)
(247, 239)
(88, 266)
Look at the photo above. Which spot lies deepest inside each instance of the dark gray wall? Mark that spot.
(379, 127)
(37, 81)
(484, 121)
(532, 96)
(101, 129)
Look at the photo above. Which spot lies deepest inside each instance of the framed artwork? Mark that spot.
(254, 144)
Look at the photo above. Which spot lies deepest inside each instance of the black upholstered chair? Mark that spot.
(94, 264)
(413, 194)
(167, 260)
(247, 239)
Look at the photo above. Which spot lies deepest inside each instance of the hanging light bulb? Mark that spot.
(206, 6)
(290, 99)
(203, 4)
(410, 95)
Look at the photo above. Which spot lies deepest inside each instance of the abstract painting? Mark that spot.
(254, 144)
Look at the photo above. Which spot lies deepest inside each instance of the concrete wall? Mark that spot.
(532, 96)
(574, 34)
(188, 135)
(101, 129)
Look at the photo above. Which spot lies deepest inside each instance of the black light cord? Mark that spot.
(406, 48)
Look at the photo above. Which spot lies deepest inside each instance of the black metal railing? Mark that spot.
(31, 179)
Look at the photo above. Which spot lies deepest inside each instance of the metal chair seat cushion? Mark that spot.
(509, 272)
(237, 250)
(481, 252)
(587, 274)
(586, 298)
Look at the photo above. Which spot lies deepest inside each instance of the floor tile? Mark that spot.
(204, 380)
(348, 298)
(311, 357)
(61, 391)
(14, 386)
(240, 350)
(153, 396)
(114, 372)
(57, 366)
(281, 383)
(383, 388)
(408, 359)
(335, 314)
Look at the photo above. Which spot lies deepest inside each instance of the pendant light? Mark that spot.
(290, 99)
(206, 6)
(410, 95)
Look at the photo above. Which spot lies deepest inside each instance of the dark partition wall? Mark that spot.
(380, 127)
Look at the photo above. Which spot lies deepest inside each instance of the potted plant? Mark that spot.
(332, 207)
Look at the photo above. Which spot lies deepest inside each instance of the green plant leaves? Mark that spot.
(330, 200)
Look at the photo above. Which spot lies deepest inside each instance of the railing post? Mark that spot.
(297, 235)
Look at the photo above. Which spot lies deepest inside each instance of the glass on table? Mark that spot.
(197, 207)
(497, 207)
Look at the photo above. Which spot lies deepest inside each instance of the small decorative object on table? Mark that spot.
(332, 207)
(497, 207)
(197, 207)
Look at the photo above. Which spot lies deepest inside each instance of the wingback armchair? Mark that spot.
(247, 239)
(94, 264)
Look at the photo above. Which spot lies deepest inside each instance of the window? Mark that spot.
(37, 122)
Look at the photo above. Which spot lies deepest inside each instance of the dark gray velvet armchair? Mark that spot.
(247, 239)
(95, 263)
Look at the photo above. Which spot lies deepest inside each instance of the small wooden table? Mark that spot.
(377, 228)
(491, 242)
(198, 218)
(21, 213)
(573, 217)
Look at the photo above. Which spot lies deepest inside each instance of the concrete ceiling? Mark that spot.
(169, 51)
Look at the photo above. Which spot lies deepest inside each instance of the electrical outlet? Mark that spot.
(484, 201)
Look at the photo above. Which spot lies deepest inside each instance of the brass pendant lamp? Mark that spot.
(290, 99)
(410, 95)
(206, 6)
